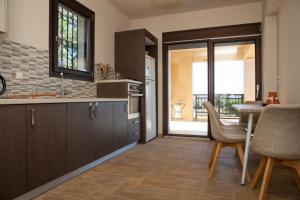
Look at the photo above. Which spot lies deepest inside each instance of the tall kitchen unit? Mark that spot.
(132, 62)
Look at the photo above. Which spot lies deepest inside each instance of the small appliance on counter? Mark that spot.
(3, 83)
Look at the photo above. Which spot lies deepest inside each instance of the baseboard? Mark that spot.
(64, 178)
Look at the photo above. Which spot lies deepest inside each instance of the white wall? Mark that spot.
(28, 23)
(241, 14)
(270, 54)
(289, 51)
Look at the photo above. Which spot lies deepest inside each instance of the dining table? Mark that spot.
(250, 109)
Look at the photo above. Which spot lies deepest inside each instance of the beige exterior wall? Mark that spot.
(249, 79)
(181, 82)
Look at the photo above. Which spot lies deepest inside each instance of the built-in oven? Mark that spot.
(134, 97)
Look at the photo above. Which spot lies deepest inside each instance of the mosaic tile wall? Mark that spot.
(33, 63)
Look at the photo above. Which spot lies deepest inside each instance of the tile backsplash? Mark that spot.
(33, 64)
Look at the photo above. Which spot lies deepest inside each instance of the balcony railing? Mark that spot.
(223, 105)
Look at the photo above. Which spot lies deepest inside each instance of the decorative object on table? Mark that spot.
(272, 98)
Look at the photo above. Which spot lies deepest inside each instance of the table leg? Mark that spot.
(249, 130)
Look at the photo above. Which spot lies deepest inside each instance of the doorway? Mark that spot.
(224, 71)
(188, 75)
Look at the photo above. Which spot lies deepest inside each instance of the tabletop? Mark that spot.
(250, 108)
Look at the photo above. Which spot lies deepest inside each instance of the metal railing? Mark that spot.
(223, 105)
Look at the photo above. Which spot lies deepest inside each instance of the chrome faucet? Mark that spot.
(62, 91)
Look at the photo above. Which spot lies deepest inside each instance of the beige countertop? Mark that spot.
(120, 80)
(56, 100)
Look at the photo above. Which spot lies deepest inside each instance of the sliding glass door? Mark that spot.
(188, 88)
(234, 77)
(221, 71)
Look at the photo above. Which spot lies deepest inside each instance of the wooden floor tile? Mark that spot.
(172, 169)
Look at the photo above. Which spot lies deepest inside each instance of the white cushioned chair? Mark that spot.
(277, 139)
(225, 136)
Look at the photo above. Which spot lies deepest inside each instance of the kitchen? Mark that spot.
(84, 99)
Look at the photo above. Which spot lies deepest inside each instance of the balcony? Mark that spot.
(223, 105)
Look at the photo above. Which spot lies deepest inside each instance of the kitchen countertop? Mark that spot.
(120, 80)
(56, 100)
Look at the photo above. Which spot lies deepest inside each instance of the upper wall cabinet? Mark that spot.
(3, 15)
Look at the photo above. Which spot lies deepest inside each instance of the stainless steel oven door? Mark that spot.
(133, 105)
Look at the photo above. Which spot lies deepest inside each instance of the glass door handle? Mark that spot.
(257, 90)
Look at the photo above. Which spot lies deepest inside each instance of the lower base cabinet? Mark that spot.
(41, 142)
(46, 143)
(79, 137)
(89, 132)
(134, 130)
(13, 175)
(120, 118)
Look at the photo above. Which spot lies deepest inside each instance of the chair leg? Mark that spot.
(297, 177)
(212, 154)
(258, 172)
(266, 179)
(296, 165)
(214, 163)
(239, 149)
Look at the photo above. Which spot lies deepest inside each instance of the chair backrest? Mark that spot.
(277, 133)
(216, 126)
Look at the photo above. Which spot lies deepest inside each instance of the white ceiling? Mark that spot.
(149, 8)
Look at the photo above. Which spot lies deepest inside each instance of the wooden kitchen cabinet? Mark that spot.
(134, 130)
(46, 143)
(102, 130)
(80, 142)
(120, 116)
(130, 61)
(13, 181)
(41, 142)
(89, 132)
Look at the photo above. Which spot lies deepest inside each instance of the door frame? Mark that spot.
(212, 36)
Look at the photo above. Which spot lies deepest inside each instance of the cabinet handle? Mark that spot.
(92, 108)
(32, 117)
(96, 111)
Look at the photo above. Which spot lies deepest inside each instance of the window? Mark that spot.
(71, 40)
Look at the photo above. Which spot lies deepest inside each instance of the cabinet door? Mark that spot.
(13, 180)
(120, 118)
(46, 143)
(80, 122)
(134, 130)
(102, 130)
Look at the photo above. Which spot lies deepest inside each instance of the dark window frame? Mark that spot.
(54, 69)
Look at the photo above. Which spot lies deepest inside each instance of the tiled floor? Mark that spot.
(171, 169)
